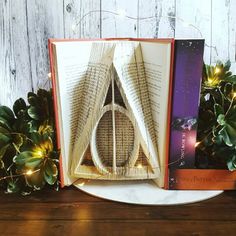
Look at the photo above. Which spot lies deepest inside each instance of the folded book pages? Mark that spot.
(112, 107)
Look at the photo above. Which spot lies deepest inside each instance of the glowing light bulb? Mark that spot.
(29, 172)
(139, 166)
(234, 95)
(217, 70)
(121, 13)
(196, 144)
(210, 81)
(39, 153)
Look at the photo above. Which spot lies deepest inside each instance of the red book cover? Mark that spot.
(51, 55)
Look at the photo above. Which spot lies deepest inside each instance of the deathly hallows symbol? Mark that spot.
(119, 142)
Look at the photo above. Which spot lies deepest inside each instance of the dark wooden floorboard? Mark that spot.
(72, 212)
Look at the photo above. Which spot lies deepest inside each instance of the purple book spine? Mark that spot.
(188, 63)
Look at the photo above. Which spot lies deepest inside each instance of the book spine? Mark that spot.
(51, 59)
(188, 63)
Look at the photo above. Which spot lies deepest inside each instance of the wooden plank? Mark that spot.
(115, 228)
(82, 19)
(160, 22)
(71, 204)
(15, 69)
(194, 21)
(220, 30)
(72, 194)
(115, 22)
(232, 35)
(45, 20)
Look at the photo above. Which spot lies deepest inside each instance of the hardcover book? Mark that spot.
(126, 109)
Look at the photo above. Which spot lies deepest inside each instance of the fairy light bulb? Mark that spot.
(234, 95)
(139, 166)
(81, 184)
(217, 70)
(210, 81)
(196, 144)
(39, 153)
(29, 172)
(121, 13)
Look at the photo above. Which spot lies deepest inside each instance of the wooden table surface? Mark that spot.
(72, 212)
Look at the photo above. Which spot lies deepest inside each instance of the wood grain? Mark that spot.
(79, 21)
(45, 20)
(73, 212)
(220, 38)
(194, 21)
(15, 66)
(26, 25)
(114, 25)
(161, 24)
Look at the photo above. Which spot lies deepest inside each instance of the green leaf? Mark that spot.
(18, 140)
(231, 131)
(3, 150)
(36, 180)
(32, 126)
(6, 113)
(2, 165)
(36, 137)
(19, 106)
(4, 130)
(12, 187)
(32, 99)
(231, 79)
(227, 65)
(23, 157)
(50, 172)
(223, 132)
(5, 124)
(221, 119)
(231, 163)
(32, 163)
(33, 113)
(4, 138)
(218, 109)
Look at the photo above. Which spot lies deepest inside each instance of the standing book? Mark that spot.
(117, 104)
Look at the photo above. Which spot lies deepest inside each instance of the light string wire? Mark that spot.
(122, 14)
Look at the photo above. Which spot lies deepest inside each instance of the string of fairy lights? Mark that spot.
(121, 13)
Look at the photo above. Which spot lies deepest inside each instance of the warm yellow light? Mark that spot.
(234, 95)
(81, 184)
(29, 172)
(217, 70)
(39, 153)
(210, 81)
(196, 144)
(139, 166)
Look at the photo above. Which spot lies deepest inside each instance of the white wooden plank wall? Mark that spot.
(25, 26)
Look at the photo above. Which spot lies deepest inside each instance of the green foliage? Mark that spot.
(217, 118)
(28, 154)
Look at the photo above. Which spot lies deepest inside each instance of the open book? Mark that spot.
(113, 103)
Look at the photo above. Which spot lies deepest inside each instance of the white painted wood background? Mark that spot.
(26, 25)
